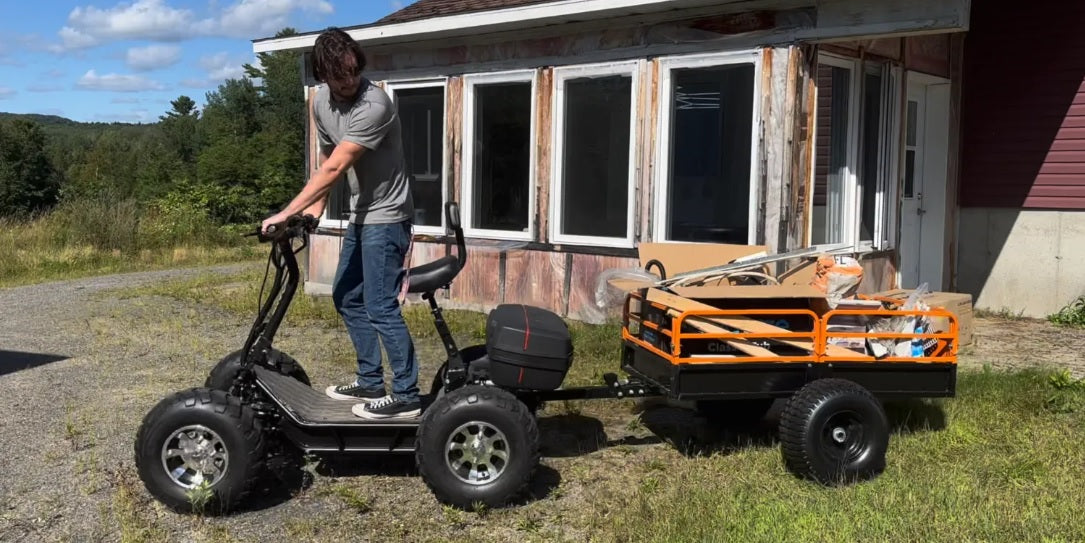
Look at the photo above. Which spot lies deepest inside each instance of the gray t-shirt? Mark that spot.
(379, 188)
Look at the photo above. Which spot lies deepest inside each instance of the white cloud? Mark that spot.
(134, 116)
(397, 5)
(152, 57)
(124, 100)
(158, 21)
(50, 111)
(219, 67)
(52, 74)
(154, 19)
(195, 83)
(6, 92)
(116, 82)
(249, 18)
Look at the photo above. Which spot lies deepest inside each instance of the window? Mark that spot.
(594, 132)
(855, 158)
(498, 158)
(421, 108)
(707, 175)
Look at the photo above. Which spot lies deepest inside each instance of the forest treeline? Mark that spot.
(233, 161)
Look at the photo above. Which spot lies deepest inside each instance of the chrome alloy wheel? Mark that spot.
(194, 455)
(477, 453)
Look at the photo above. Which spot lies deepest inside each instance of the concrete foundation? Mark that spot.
(1021, 261)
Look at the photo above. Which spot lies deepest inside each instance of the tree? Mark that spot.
(180, 129)
(28, 181)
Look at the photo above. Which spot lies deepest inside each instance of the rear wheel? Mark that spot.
(200, 450)
(834, 431)
(477, 445)
(223, 374)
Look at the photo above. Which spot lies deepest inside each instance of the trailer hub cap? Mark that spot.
(194, 455)
(477, 453)
(840, 435)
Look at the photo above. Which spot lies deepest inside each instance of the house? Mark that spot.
(572, 130)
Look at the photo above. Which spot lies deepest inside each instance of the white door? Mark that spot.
(923, 187)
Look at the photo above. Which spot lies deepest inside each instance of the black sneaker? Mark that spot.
(355, 392)
(388, 407)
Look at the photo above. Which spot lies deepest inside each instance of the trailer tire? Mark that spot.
(225, 371)
(834, 431)
(203, 426)
(478, 427)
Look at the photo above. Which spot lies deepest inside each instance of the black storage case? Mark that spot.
(529, 347)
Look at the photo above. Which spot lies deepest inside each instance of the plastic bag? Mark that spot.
(608, 296)
(838, 277)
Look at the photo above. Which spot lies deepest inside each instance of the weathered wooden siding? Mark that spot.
(564, 279)
(1023, 123)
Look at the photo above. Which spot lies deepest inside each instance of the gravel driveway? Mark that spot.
(78, 369)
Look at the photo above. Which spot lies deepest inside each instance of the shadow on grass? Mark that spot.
(698, 434)
(915, 415)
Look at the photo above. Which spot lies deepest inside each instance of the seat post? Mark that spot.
(456, 371)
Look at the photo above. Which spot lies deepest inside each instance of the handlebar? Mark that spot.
(295, 226)
(298, 225)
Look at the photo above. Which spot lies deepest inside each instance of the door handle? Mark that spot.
(919, 211)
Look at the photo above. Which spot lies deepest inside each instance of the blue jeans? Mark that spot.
(366, 294)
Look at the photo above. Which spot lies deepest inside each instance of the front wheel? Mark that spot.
(225, 371)
(834, 431)
(200, 450)
(477, 445)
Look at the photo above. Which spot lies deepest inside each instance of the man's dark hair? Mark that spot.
(328, 53)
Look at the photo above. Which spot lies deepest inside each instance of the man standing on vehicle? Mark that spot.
(359, 136)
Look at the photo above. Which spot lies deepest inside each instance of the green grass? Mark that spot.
(1004, 468)
(1073, 314)
(1002, 461)
(89, 238)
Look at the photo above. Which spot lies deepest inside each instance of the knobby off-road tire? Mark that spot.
(225, 371)
(834, 431)
(218, 426)
(478, 427)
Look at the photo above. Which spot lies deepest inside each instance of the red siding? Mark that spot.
(1023, 105)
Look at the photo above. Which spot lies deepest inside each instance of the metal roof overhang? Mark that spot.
(836, 18)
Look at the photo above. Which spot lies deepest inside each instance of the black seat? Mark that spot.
(433, 275)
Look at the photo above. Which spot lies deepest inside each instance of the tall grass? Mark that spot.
(88, 237)
(1002, 461)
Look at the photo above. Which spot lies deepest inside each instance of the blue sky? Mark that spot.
(124, 60)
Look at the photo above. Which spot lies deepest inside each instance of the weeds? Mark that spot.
(199, 496)
(1068, 394)
(1071, 315)
(352, 498)
(88, 237)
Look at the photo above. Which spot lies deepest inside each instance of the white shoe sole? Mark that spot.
(330, 391)
(360, 410)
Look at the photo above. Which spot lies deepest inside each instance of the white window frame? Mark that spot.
(392, 87)
(889, 145)
(468, 153)
(557, 178)
(851, 213)
(661, 214)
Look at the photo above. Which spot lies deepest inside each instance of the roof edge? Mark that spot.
(476, 22)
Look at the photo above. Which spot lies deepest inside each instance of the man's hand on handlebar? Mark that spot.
(273, 226)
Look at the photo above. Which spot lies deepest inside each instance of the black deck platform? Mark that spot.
(318, 423)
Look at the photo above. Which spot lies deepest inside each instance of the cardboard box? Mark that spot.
(960, 304)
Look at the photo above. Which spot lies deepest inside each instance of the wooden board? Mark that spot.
(745, 324)
(709, 328)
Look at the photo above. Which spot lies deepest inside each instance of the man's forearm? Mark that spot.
(314, 192)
